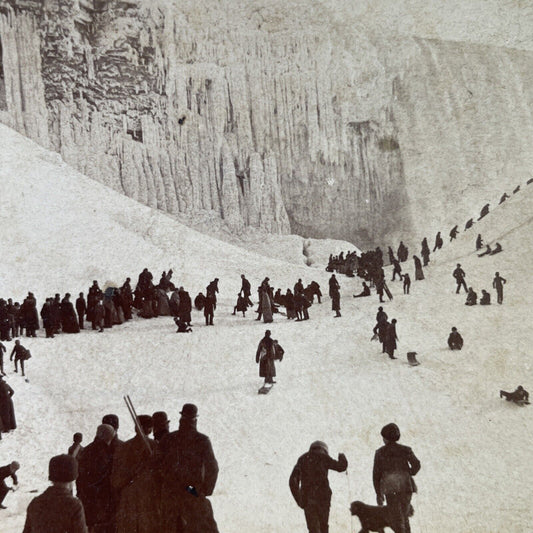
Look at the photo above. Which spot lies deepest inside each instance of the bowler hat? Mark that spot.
(391, 432)
(63, 468)
(146, 423)
(189, 410)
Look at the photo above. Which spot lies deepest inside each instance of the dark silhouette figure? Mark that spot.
(469, 223)
(81, 309)
(419, 272)
(310, 487)
(425, 251)
(479, 242)
(76, 448)
(403, 252)
(497, 249)
(21, 354)
(364, 292)
(397, 269)
(485, 298)
(406, 283)
(497, 283)
(487, 251)
(265, 356)
(390, 339)
(459, 275)
(394, 466)
(5, 472)
(453, 233)
(504, 197)
(471, 297)
(519, 395)
(455, 341)
(484, 211)
(516, 190)
(438, 242)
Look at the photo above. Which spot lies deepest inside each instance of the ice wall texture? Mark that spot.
(288, 124)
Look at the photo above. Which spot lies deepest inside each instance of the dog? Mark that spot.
(372, 518)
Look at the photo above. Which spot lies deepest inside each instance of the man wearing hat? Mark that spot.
(134, 477)
(161, 423)
(113, 421)
(56, 509)
(94, 481)
(394, 464)
(190, 472)
(310, 487)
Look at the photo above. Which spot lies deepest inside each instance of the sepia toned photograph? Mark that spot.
(264, 266)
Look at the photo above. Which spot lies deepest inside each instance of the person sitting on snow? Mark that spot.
(455, 341)
(520, 395)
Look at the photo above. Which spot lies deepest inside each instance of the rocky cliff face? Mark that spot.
(272, 121)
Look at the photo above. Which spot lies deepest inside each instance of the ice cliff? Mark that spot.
(269, 114)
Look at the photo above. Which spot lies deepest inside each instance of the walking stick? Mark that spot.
(133, 414)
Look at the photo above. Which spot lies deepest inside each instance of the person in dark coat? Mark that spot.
(394, 466)
(30, 315)
(406, 283)
(18, 321)
(315, 291)
(94, 481)
(241, 305)
(365, 292)
(190, 472)
(438, 242)
(55, 314)
(69, 321)
(265, 356)
(185, 306)
(479, 242)
(113, 420)
(175, 302)
(471, 297)
(484, 211)
(161, 425)
(298, 287)
(2, 352)
(497, 249)
(56, 510)
(380, 329)
(469, 223)
(403, 252)
(46, 311)
(488, 251)
(199, 301)
(127, 299)
(81, 309)
(246, 290)
(211, 291)
(290, 306)
(134, 478)
(98, 314)
(455, 340)
(333, 285)
(459, 275)
(76, 448)
(7, 409)
(453, 233)
(299, 306)
(519, 395)
(497, 283)
(310, 487)
(390, 339)
(485, 298)
(4, 322)
(425, 251)
(209, 309)
(93, 296)
(397, 269)
(21, 354)
(5, 472)
(335, 300)
(504, 197)
(391, 255)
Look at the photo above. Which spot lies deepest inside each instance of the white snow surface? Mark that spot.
(61, 230)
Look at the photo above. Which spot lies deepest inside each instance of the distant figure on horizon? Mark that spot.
(485, 298)
(504, 197)
(403, 252)
(438, 242)
(497, 283)
(453, 233)
(455, 341)
(459, 275)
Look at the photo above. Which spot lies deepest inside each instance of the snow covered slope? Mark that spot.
(333, 384)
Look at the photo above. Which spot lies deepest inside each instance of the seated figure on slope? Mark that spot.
(455, 340)
(471, 297)
(519, 396)
(485, 298)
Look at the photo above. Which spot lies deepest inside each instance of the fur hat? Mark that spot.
(189, 410)
(146, 423)
(63, 468)
(391, 432)
(105, 432)
(319, 446)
